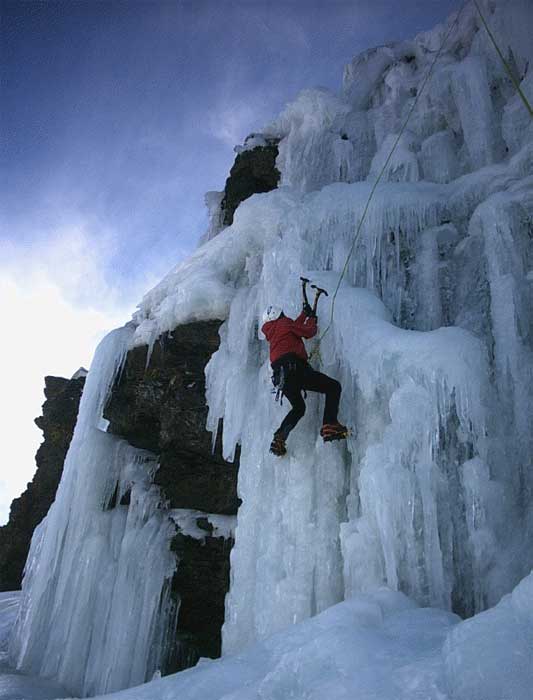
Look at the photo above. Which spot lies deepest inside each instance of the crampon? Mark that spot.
(334, 431)
(277, 446)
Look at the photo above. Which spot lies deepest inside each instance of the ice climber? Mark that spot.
(292, 373)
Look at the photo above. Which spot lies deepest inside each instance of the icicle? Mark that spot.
(97, 620)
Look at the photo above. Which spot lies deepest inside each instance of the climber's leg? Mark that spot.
(316, 381)
(293, 392)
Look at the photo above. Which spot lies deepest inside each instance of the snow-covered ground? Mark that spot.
(13, 684)
(378, 646)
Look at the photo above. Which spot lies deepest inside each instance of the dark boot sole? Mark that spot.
(278, 449)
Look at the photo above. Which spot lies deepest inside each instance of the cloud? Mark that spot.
(57, 304)
(230, 123)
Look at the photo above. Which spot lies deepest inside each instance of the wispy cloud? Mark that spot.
(231, 121)
(56, 307)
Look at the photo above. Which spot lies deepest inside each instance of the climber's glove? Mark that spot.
(308, 311)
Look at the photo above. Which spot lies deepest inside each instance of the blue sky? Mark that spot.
(116, 118)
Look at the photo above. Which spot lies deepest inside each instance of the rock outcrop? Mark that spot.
(254, 171)
(57, 423)
(160, 406)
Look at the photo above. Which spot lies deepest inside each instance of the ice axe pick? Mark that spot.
(318, 293)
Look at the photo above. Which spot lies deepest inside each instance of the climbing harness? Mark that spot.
(278, 381)
(279, 374)
(425, 80)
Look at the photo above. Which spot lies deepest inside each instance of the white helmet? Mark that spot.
(271, 313)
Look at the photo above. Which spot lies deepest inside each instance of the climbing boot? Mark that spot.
(333, 431)
(277, 446)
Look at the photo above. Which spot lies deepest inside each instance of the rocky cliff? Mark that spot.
(159, 405)
(254, 171)
(57, 423)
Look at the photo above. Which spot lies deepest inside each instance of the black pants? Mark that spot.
(296, 375)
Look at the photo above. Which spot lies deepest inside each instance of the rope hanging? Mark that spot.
(382, 172)
(505, 63)
(397, 141)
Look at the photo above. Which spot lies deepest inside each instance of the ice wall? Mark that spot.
(333, 520)
(95, 608)
(457, 126)
(431, 339)
(433, 495)
(425, 497)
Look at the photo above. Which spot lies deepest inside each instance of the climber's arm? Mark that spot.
(305, 326)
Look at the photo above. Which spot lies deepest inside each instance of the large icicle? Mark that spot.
(95, 606)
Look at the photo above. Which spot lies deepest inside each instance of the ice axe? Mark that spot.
(319, 291)
(305, 282)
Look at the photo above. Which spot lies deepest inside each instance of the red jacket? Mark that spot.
(285, 335)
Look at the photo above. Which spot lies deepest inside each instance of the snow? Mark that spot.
(490, 656)
(378, 645)
(431, 340)
(250, 142)
(205, 285)
(375, 645)
(223, 525)
(362, 645)
(187, 523)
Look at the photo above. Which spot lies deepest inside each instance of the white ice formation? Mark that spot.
(431, 339)
(95, 608)
(374, 646)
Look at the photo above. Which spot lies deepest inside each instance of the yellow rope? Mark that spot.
(382, 172)
(505, 63)
(397, 141)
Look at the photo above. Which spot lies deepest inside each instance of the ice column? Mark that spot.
(389, 506)
(95, 607)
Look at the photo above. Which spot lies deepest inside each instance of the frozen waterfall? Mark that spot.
(431, 338)
(96, 610)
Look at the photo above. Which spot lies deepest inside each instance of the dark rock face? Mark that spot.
(253, 171)
(161, 407)
(60, 411)
(201, 583)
